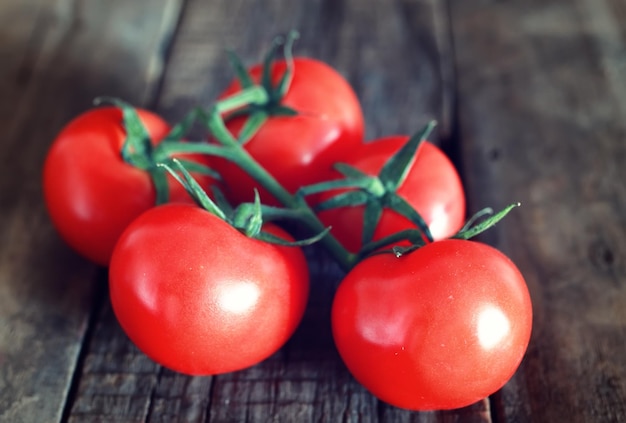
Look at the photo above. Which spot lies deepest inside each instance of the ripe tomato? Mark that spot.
(432, 186)
(299, 150)
(91, 193)
(201, 298)
(439, 328)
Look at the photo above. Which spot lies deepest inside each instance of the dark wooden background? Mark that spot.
(531, 100)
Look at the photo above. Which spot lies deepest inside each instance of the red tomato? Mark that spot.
(432, 186)
(299, 150)
(91, 193)
(439, 328)
(201, 298)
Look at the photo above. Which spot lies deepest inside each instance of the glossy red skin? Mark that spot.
(90, 192)
(299, 150)
(432, 186)
(199, 297)
(440, 328)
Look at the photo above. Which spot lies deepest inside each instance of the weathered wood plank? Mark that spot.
(542, 121)
(55, 57)
(396, 58)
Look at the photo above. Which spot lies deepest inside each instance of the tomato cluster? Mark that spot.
(424, 318)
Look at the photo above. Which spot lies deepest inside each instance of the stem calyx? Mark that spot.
(478, 223)
(258, 113)
(375, 193)
(247, 217)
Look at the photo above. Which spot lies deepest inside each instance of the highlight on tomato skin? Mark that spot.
(199, 297)
(439, 328)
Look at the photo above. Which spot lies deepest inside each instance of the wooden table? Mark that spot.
(531, 102)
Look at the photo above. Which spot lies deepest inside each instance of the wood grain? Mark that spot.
(55, 57)
(541, 121)
(397, 57)
(531, 100)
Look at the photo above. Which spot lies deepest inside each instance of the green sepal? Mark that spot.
(282, 110)
(472, 229)
(222, 202)
(192, 187)
(242, 74)
(345, 199)
(248, 217)
(254, 122)
(275, 92)
(375, 192)
(257, 112)
(273, 239)
(281, 88)
(268, 63)
(372, 213)
(285, 80)
(354, 178)
(395, 170)
(196, 167)
(401, 206)
(350, 172)
(137, 148)
(330, 186)
(487, 211)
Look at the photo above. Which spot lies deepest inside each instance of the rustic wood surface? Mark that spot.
(531, 102)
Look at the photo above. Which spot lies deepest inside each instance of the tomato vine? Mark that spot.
(258, 102)
(396, 307)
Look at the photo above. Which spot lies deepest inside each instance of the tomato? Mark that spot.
(91, 193)
(201, 298)
(299, 150)
(439, 328)
(432, 186)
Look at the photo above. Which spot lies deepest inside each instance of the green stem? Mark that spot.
(231, 150)
(167, 149)
(414, 236)
(256, 94)
(246, 162)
